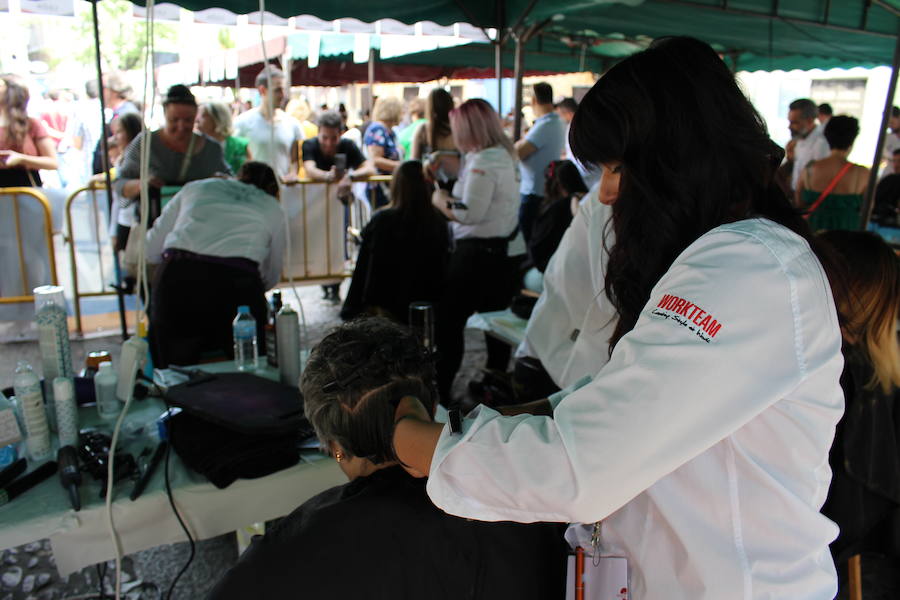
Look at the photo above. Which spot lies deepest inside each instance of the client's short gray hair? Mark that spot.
(354, 379)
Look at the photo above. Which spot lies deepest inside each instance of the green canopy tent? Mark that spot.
(335, 64)
(750, 34)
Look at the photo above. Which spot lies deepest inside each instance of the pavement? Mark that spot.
(29, 572)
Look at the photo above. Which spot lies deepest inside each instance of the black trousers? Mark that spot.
(193, 306)
(480, 278)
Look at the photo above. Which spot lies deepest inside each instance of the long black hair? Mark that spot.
(411, 197)
(695, 154)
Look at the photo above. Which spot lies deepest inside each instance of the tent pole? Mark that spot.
(517, 123)
(498, 70)
(882, 138)
(104, 151)
(498, 53)
(371, 81)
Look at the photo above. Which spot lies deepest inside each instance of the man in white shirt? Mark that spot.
(809, 138)
(274, 140)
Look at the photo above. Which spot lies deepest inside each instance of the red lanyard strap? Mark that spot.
(828, 190)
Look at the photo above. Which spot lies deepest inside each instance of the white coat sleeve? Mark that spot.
(162, 227)
(551, 331)
(477, 194)
(675, 385)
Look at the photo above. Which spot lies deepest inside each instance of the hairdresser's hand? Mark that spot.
(410, 410)
(11, 158)
(289, 178)
(440, 197)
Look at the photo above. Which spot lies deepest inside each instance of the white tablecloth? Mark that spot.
(80, 539)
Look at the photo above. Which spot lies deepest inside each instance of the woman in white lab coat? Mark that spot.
(702, 444)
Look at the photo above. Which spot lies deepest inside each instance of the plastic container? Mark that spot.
(53, 337)
(271, 331)
(93, 361)
(421, 323)
(9, 429)
(31, 401)
(66, 411)
(105, 381)
(246, 352)
(287, 324)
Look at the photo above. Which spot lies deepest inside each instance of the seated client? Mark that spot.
(379, 536)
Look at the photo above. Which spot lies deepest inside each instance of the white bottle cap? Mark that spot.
(48, 294)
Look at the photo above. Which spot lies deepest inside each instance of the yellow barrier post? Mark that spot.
(14, 193)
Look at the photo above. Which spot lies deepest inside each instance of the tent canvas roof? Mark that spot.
(755, 34)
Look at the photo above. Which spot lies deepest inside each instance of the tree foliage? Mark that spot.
(122, 37)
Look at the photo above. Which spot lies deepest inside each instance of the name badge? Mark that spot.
(603, 578)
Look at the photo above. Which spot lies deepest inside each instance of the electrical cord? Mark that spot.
(101, 573)
(142, 284)
(184, 528)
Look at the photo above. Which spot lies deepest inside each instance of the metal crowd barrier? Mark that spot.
(93, 188)
(13, 194)
(360, 213)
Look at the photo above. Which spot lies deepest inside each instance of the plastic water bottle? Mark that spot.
(28, 391)
(9, 433)
(105, 381)
(245, 350)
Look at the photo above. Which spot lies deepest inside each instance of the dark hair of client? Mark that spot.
(259, 174)
(563, 180)
(410, 195)
(695, 155)
(354, 379)
(841, 131)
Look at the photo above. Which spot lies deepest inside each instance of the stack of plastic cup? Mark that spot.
(66, 411)
(53, 337)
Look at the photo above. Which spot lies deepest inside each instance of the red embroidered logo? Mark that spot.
(689, 315)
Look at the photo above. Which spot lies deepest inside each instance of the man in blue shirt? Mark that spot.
(543, 143)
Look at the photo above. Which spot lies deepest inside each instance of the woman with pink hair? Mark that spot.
(482, 210)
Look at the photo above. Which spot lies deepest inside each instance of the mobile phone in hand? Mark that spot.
(340, 165)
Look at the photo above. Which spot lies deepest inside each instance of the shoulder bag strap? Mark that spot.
(828, 190)
(186, 162)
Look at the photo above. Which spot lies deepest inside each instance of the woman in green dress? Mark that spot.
(214, 119)
(840, 209)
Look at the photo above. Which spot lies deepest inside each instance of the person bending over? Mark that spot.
(220, 244)
(379, 536)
